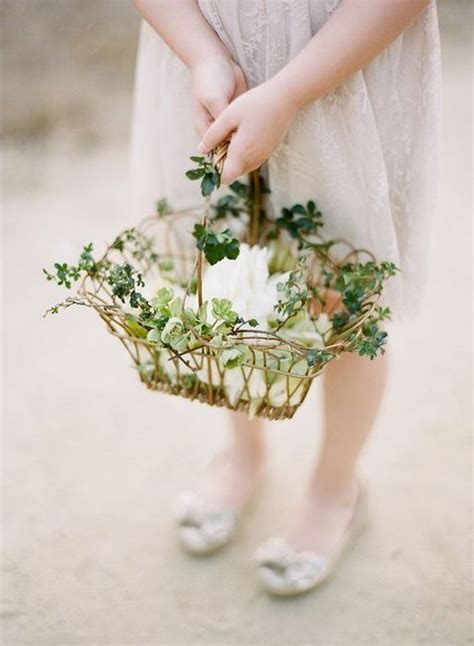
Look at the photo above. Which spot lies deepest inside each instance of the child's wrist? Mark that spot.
(209, 56)
(293, 93)
(286, 98)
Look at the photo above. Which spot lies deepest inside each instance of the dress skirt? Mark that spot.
(367, 152)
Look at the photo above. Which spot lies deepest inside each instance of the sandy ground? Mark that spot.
(92, 461)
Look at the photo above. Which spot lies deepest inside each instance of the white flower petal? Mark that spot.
(246, 283)
(323, 324)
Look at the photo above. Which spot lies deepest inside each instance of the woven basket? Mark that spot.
(276, 376)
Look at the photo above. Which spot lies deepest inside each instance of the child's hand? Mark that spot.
(257, 121)
(216, 82)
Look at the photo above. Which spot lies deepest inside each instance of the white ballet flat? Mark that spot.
(202, 527)
(285, 571)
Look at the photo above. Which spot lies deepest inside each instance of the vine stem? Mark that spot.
(199, 265)
(199, 261)
(255, 208)
(218, 158)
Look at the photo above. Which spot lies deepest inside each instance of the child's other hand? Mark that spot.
(217, 81)
(258, 122)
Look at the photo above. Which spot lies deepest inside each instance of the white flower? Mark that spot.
(233, 382)
(311, 333)
(282, 254)
(240, 384)
(209, 371)
(283, 385)
(304, 332)
(245, 281)
(168, 365)
(323, 324)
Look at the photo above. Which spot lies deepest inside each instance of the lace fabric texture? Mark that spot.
(366, 152)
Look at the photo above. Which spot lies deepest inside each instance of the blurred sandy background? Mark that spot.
(92, 461)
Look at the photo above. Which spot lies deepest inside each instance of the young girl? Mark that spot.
(340, 101)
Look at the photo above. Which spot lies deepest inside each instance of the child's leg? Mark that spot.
(234, 474)
(353, 389)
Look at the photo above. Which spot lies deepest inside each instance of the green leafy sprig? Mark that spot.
(239, 200)
(123, 278)
(65, 274)
(206, 172)
(216, 245)
(372, 339)
(293, 294)
(125, 281)
(356, 282)
(300, 221)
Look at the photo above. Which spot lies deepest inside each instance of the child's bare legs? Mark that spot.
(232, 477)
(353, 390)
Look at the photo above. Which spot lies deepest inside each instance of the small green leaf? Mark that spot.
(298, 208)
(235, 356)
(162, 207)
(222, 310)
(154, 336)
(239, 189)
(195, 173)
(202, 313)
(135, 328)
(166, 265)
(163, 297)
(208, 184)
(176, 307)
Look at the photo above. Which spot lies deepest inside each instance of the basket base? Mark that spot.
(265, 410)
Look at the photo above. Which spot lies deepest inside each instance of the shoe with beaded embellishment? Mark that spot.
(285, 571)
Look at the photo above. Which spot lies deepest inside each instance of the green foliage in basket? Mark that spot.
(300, 220)
(239, 200)
(176, 320)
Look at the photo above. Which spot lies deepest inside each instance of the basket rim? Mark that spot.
(89, 291)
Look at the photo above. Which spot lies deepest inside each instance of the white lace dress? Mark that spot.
(366, 152)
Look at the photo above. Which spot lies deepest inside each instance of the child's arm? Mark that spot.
(183, 27)
(356, 32)
(217, 79)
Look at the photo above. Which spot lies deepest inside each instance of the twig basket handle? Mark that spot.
(219, 155)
